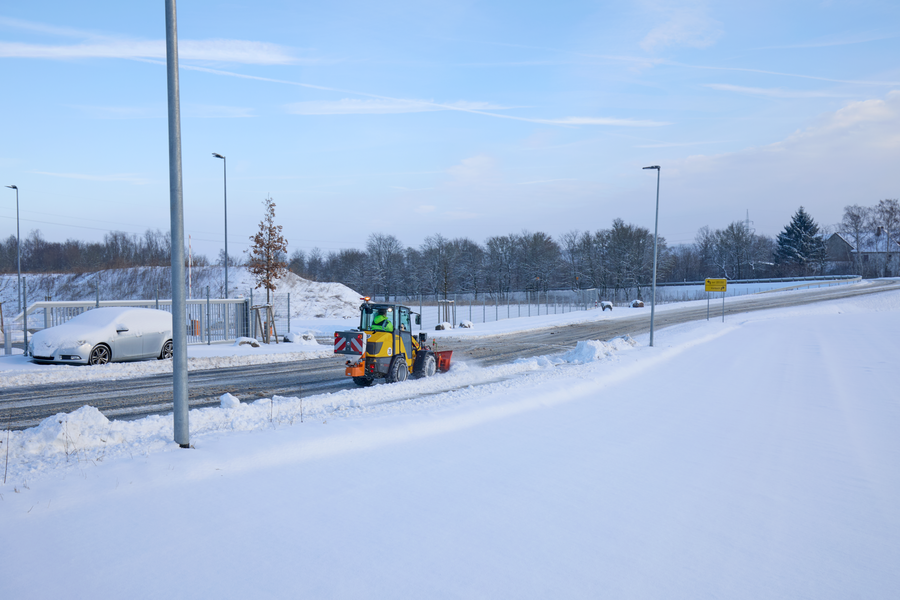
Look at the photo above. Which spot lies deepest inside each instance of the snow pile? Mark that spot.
(466, 324)
(594, 350)
(226, 400)
(311, 299)
(300, 338)
(83, 429)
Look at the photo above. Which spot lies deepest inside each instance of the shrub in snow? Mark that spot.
(245, 340)
(466, 324)
(226, 400)
(637, 304)
(606, 305)
(444, 325)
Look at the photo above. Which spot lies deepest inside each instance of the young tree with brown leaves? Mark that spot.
(268, 253)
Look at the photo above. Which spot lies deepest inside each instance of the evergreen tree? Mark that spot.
(800, 247)
(268, 252)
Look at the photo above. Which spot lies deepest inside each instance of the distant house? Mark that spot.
(838, 249)
(870, 260)
(881, 263)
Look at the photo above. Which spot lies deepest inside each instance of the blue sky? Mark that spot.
(464, 118)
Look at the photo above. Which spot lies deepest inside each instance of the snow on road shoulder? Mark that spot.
(20, 371)
(65, 439)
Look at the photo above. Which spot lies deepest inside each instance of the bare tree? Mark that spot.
(385, 253)
(266, 261)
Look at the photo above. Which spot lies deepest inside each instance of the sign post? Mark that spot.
(716, 285)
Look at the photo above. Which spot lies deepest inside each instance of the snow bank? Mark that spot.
(594, 350)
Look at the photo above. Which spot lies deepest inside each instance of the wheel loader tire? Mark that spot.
(363, 381)
(398, 371)
(426, 367)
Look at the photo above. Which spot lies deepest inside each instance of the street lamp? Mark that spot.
(655, 245)
(18, 254)
(225, 180)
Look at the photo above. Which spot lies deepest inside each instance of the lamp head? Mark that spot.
(12, 187)
(653, 167)
(217, 155)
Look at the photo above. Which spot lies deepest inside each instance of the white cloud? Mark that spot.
(774, 92)
(121, 112)
(461, 215)
(123, 177)
(685, 25)
(678, 144)
(601, 121)
(234, 51)
(475, 170)
(209, 111)
(546, 181)
(846, 157)
(195, 111)
(382, 106)
(843, 39)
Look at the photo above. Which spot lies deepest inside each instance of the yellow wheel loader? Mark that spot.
(386, 347)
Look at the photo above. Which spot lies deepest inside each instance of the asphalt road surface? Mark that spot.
(25, 407)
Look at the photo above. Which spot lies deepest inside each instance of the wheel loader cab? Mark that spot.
(388, 329)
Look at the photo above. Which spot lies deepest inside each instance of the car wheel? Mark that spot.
(428, 366)
(398, 371)
(166, 351)
(100, 355)
(363, 381)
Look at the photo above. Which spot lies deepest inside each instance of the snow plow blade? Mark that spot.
(443, 360)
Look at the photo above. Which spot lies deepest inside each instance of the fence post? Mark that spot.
(208, 322)
(98, 292)
(25, 315)
(252, 320)
(157, 296)
(289, 312)
(245, 319)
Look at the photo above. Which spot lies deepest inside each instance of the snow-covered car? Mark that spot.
(103, 335)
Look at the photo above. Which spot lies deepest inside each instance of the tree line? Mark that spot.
(614, 259)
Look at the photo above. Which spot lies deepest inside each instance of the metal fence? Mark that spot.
(207, 320)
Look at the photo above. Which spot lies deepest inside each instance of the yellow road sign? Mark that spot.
(716, 285)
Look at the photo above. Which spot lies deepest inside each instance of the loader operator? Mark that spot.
(382, 322)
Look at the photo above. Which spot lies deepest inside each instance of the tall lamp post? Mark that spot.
(655, 246)
(18, 254)
(225, 182)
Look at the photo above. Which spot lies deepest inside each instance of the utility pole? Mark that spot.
(655, 246)
(176, 212)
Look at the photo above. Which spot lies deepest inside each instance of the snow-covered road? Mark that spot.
(751, 459)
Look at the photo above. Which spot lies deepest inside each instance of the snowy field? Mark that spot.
(751, 459)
